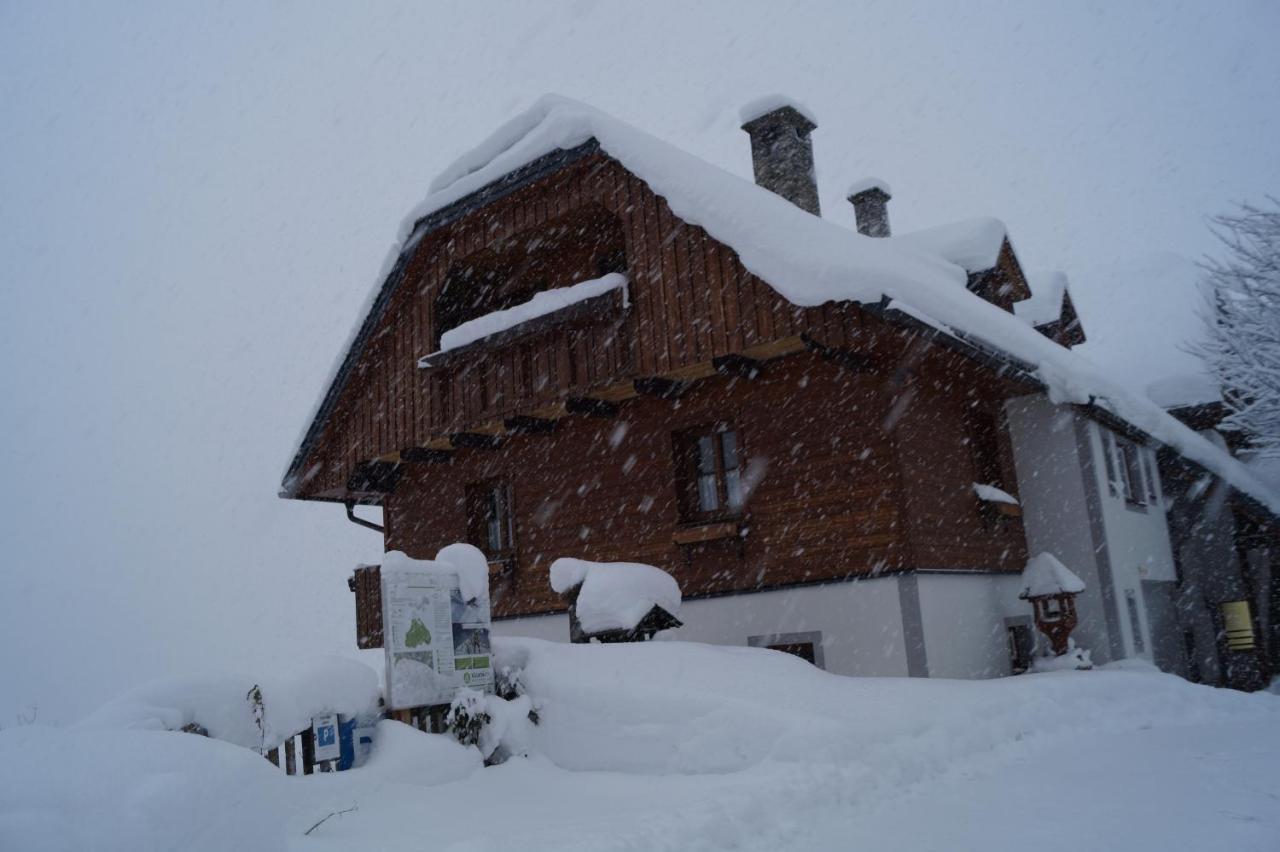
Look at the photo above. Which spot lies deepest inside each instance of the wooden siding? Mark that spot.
(830, 503)
(691, 300)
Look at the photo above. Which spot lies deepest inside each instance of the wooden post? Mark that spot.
(274, 755)
(308, 752)
(290, 757)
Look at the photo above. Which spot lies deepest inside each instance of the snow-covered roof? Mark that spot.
(811, 261)
(615, 595)
(1045, 575)
(1184, 389)
(543, 303)
(973, 245)
(1048, 288)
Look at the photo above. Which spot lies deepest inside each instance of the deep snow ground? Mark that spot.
(676, 746)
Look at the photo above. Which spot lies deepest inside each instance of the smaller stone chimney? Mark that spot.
(870, 200)
(781, 151)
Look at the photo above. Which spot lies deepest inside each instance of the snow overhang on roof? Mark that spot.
(807, 260)
(1048, 289)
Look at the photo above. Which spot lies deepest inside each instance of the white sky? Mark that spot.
(194, 200)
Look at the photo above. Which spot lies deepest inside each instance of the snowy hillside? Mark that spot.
(678, 746)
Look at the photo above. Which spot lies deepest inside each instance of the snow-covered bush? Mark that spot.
(250, 711)
(497, 726)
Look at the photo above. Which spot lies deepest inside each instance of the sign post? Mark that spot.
(436, 642)
(325, 730)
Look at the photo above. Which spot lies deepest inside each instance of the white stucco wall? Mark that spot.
(1112, 546)
(860, 623)
(964, 624)
(1138, 546)
(1055, 507)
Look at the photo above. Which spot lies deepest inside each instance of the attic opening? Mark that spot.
(585, 244)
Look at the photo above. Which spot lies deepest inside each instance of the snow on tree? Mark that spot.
(1243, 345)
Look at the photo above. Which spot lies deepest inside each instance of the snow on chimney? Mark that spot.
(781, 151)
(870, 200)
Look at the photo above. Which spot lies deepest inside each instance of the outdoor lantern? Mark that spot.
(1051, 588)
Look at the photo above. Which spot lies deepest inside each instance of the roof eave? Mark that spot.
(290, 486)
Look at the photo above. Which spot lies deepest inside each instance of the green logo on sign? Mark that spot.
(418, 634)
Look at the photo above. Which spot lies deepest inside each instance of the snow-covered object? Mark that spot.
(615, 595)
(221, 704)
(1048, 289)
(546, 302)
(75, 789)
(755, 749)
(1075, 659)
(681, 707)
(405, 755)
(472, 567)
(757, 107)
(973, 245)
(860, 186)
(465, 560)
(810, 261)
(1184, 389)
(1045, 575)
(991, 494)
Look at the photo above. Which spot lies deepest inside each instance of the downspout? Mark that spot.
(351, 516)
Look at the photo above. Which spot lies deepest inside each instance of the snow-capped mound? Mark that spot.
(615, 595)
(223, 706)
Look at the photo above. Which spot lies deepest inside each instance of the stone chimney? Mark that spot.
(870, 200)
(781, 151)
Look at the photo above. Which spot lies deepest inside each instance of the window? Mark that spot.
(1153, 484)
(1135, 624)
(490, 521)
(708, 473)
(806, 645)
(1131, 472)
(985, 427)
(1123, 460)
(803, 650)
(1022, 644)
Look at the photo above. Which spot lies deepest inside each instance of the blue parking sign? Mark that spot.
(326, 737)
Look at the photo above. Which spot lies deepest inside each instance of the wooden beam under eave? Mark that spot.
(847, 359)
(739, 366)
(661, 387)
(475, 440)
(523, 424)
(424, 455)
(590, 407)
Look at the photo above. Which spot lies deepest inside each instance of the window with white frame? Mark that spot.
(1124, 463)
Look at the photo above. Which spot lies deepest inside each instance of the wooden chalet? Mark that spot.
(695, 419)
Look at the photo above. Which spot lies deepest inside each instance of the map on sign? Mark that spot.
(436, 642)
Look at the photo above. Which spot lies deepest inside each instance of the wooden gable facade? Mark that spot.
(856, 437)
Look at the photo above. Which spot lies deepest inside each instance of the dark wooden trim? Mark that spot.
(839, 355)
(590, 407)
(737, 365)
(522, 424)
(662, 388)
(475, 440)
(713, 531)
(425, 455)
(376, 477)
(603, 308)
